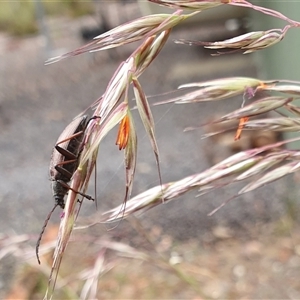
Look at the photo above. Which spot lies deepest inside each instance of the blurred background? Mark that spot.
(249, 249)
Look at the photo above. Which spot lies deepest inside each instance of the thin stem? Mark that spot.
(266, 11)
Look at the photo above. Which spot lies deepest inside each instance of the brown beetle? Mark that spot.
(64, 159)
(64, 162)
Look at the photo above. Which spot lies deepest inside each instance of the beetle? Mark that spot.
(65, 156)
(64, 162)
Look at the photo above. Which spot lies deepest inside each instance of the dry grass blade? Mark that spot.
(247, 163)
(149, 50)
(127, 33)
(236, 42)
(123, 249)
(89, 290)
(267, 11)
(95, 137)
(190, 4)
(266, 163)
(287, 89)
(95, 133)
(127, 140)
(220, 89)
(116, 88)
(62, 241)
(147, 118)
(258, 107)
(152, 197)
(274, 124)
(248, 43)
(270, 38)
(293, 109)
(231, 83)
(142, 202)
(130, 157)
(272, 176)
(12, 244)
(203, 95)
(71, 210)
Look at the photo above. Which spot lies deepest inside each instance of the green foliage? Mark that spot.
(19, 17)
(73, 8)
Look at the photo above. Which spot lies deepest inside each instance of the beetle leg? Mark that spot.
(65, 162)
(66, 152)
(77, 192)
(70, 137)
(64, 172)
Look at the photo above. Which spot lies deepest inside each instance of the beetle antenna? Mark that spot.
(42, 232)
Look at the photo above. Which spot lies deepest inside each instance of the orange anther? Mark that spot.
(240, 128)
(123, 134)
